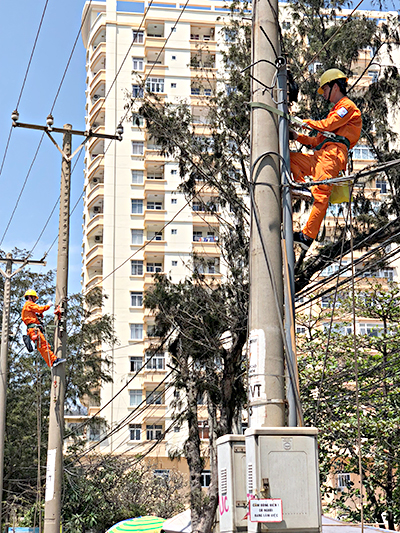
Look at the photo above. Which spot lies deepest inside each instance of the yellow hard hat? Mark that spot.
(30, 292)
(330, 75)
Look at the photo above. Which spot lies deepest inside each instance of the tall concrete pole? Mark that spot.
(54, 472)
(266, 368)
(3, 368)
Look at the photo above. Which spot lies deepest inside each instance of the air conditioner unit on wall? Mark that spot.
(97, 209)
(98, 238)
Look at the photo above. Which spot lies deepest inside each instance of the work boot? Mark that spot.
(302, 239)
(58, 361)
(27, 342)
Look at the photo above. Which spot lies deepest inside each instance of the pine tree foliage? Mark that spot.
(328, 390)
(28, 391)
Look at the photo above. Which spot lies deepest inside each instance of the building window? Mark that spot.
(137, 148)
(137, 236)
(155, 85)
(137, 63)
(137, 207)
(381, 184)
(136, 364)
(174, 232)
(157, 206)
(155, 361)
(154, 267)
(154, 236)
(363, 152)
(173, 57)
(137, 176)
(94, 431)
(136, 299)
(137, 120)
(173, 85)
(174, 263)
(137, 332)
(174, 171)
(374, 75)
(135, 431)
(372, 330)
(174, 200)
(135, 397)
(136, 267)
(154, 176)
(138, 37)
(204, 432)
(300, 330)
(137, 91)
(164, 474)
(151, 330)
(154, 397)
(153, 432)
(206, 478)
(343, 481)
(326, 302)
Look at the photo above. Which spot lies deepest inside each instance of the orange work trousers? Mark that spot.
(323, 164)
(42, 345)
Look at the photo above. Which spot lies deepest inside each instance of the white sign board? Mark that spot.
(266, 510)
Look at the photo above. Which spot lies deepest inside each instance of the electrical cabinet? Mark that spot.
(282, 464)
(232, 497)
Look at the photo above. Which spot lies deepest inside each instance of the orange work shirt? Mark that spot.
(343, 119)
(30, 312)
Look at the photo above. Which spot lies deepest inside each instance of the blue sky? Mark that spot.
(18, 27)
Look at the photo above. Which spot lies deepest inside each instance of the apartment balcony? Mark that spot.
(155, 247)
(153, 215)
(153, 44)
(206, 248)
(94, 280)
(155, 186)
(97, 222)
(93, 192)
(97, 106)
(153, 156)
(98, 54)
(94, 254)
(155, 70)
(205, 217)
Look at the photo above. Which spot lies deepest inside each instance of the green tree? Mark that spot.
(29, 383)
(328, 389)
(105, 489)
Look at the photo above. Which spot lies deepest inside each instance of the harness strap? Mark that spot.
(330, 136)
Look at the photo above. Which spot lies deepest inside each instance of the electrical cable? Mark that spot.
(24, 81)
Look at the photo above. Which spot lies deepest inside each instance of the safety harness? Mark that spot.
(330, 136)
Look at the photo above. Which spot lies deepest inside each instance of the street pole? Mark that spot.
(266, 368)
(3, 369)
(54, 471)
(8, 274)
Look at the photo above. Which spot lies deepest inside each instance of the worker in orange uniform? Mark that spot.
(330, 151)
(32, 314)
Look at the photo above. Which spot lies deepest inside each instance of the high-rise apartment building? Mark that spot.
(136, 222)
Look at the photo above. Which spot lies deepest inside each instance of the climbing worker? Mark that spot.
(32, 314)
(330, 151)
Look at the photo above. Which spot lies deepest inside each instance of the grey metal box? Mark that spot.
(232, 509)
(283, 463)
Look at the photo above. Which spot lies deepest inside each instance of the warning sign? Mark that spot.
(267, 510)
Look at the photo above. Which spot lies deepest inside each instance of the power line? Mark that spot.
(24, 81)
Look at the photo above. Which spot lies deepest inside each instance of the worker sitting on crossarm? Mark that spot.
(330, 153)
(32, 314)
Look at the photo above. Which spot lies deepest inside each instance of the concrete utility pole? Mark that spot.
(8, 274)
(266, 369)
(54, 471)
